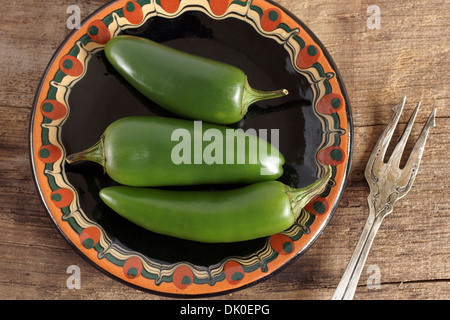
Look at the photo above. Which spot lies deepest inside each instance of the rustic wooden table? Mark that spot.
(405, 51)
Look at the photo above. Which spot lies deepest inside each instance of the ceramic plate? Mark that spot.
(81, 94)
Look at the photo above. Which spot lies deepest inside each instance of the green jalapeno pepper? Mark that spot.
(157, 151)
(251, 212)
(189, 86)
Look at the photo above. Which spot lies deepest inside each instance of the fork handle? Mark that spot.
(349, 281)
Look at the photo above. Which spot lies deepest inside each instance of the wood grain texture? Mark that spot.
(407, 56)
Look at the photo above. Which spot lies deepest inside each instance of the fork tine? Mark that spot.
(400, 147)
(412, 165)
(385, 138)
(383, 142)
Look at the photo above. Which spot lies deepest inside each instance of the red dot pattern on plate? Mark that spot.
(183, 277)
(71, 66)
(330, 103)
(270, 19)
(331, 156)
(132, 268)
(53, 109)
(170, 6)
(318, 205)
(307, 57)
(234, 273)
(49, 153)
(282, 244)
(98, 32)
(62, 197)
(89, 237)
(219, 7)
(133, 12)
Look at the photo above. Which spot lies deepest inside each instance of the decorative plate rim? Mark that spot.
(308, 58)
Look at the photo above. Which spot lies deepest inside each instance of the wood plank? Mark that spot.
(408, 55)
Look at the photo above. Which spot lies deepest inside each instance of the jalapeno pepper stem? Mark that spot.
(94, 153)
(252, 95)
(300, 197)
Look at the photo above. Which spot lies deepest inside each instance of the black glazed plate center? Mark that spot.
(103, 96)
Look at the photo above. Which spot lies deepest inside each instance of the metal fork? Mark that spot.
(388, 183)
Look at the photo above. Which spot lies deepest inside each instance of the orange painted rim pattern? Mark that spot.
(51, 109)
